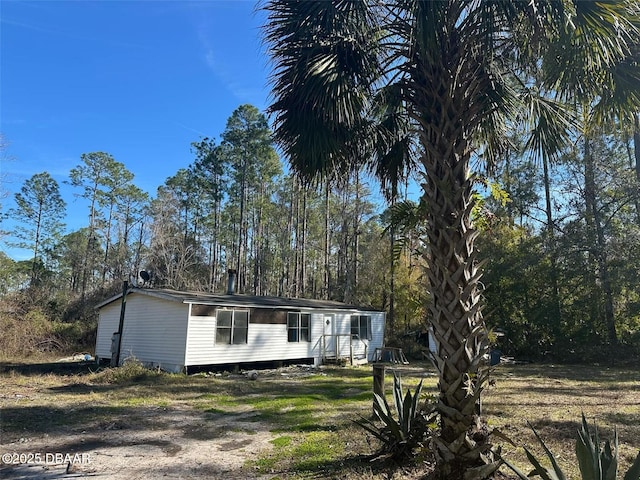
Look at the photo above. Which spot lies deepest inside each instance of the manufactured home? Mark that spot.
(174, 330)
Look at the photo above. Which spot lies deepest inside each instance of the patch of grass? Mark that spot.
(135, 401)
(281, 442)
(315, 450)
(131, 371)
(302, 454)
(553, 398)
(215, 411)
(205, 402)
(311, 416)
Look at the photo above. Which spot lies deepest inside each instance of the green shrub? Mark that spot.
(597, 461)
(32, 325)
(402, 434)
(132, 370)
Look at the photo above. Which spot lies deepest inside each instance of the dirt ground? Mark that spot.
(180, 444)
(174, 442)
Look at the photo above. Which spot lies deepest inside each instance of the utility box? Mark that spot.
(115, 339)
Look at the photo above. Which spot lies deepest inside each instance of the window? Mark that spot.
(232, 326)
(298, 327)
(361, 327)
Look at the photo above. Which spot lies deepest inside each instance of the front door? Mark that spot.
(329, 338)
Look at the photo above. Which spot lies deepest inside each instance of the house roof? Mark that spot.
(237, 300)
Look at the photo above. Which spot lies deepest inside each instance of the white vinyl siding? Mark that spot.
(161, 332)
(154, 331)
(271, 342)
(265, 342)
(107, 325)
(376, 332)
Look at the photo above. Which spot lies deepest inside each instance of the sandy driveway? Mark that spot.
(179, 444)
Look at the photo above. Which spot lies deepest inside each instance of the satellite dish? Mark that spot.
(144, 275)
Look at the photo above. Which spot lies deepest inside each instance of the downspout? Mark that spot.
(123, 306)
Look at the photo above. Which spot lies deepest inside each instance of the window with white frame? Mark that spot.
(298, 327)
(232, 326)
(361, 327)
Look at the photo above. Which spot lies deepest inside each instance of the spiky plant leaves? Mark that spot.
(447, 73)
(634, 472)
(541, 470)
(484, 471)
(557, 471)
(401, 435)
(596, 461)
(587, 453)
(398, 396)
(383, 412)
(610, 459)
(521, 475)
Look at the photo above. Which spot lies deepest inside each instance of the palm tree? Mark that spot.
(426, 86)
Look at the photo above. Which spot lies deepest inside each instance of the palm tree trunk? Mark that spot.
(455, 310)
(454, 273)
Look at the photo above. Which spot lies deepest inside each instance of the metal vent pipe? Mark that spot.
(231, 285)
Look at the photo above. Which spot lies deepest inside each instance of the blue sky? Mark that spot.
(140, 80)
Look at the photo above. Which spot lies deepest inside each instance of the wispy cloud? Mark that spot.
(229, 69)
(182, 125)
(65, 33)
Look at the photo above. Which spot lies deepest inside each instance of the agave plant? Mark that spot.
(402, 433)
(432, 89)
(597, 461)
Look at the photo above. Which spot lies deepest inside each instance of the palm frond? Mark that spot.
(325, 65)
(549, 122)
(404, 216)
(394, 143)
(593, 37)
(620, 97)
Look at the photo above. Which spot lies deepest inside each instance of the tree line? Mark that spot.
(561, 243)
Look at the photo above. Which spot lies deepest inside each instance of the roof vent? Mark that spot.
(231, 285)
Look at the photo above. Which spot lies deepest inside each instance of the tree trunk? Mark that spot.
(241, 228)
(36, 245)
(138, 250)
(326, 287)
(392, 285)
(303, 244)
(90, 241)
(213, 271)
(356, 238)
(550, 241)
(296, 250)
(107, 244)
(597, 247)
(605, 279)
(636, 150)
(463, 449)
